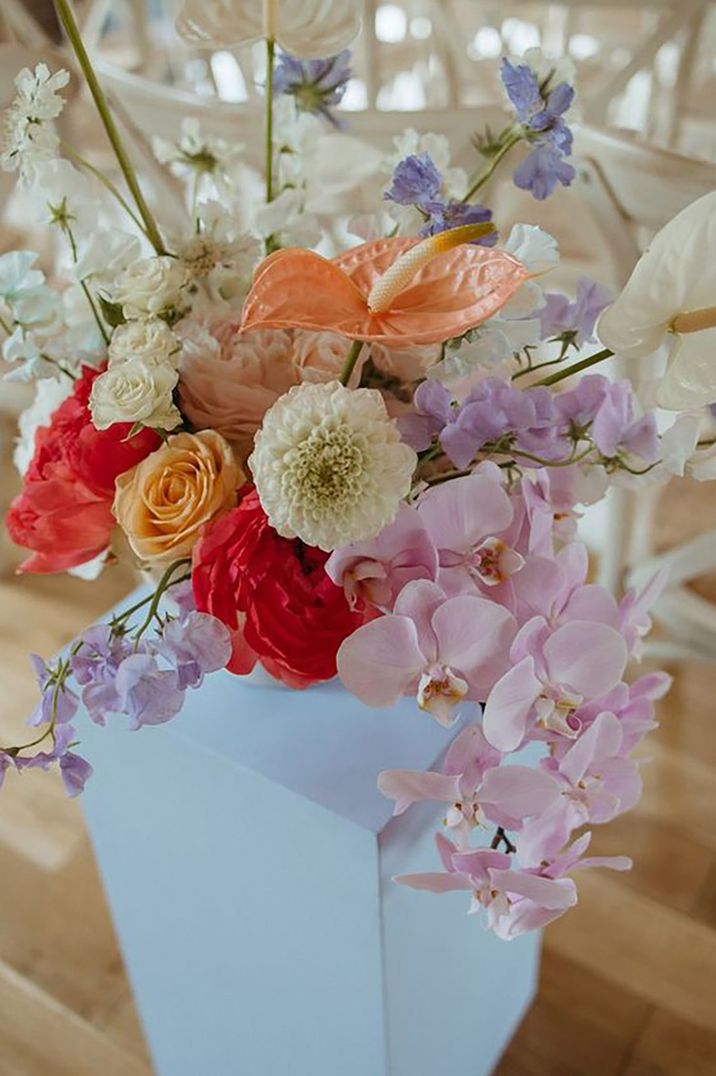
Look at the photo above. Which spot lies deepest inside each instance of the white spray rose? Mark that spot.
(151, 287)
(135, 391)
(151, 341)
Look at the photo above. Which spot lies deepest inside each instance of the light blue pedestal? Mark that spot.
(248, 856)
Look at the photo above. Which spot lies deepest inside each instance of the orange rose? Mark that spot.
(164, 501)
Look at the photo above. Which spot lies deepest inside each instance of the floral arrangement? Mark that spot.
(353, 458)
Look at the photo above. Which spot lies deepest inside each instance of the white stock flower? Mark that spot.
(674, 277)
(150, 341)
(135, 391)
(151, 287)
(27, 136)
(305, 28)
(329, 465)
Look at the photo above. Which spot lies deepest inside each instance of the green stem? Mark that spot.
(95, 311)
(163, 585)
(351, 360)
(71, 28)
(5, 327)
(105, 181)
(488, 172)
(270, 55)
(576, 367)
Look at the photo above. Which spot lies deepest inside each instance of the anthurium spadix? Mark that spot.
(305, 28)
(671, 298)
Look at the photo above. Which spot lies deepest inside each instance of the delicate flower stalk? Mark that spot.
(351, 360)
(404, 268)
(577, 367)
(71, 28)
(694, 321)
(270, 57)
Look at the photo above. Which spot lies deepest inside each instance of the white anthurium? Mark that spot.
(670, 299)
(305, 28)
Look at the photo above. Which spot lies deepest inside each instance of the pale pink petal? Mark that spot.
(508, 706)
(602, 739)
(381, 660)
(588, 658)
(479, 862)
(509, 794)
(411, 786)
(592, 602)
(474, 637)
(418, 601)
(470, 752)
(460, 514)
(434, 883)
(614, 863)
(545, 892)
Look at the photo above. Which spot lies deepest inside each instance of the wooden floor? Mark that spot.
(629, 977)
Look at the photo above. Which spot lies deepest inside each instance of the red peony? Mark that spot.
(273, 594)
(64, 512)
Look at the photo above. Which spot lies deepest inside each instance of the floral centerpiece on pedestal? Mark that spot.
(366, 462)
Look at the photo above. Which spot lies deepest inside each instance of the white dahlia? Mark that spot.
(329, 465)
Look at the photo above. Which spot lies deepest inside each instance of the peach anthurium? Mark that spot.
(390, 291)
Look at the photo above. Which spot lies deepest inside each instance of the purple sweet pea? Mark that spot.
(316, 85)
(577, 318)
(75, 772)
(60, 700)
(196, 645)
(416, 181)
(616, 429)
(147, 694)
(580, 404)
(523, 90)
(542, 170)
(434, 409)
(95, 668)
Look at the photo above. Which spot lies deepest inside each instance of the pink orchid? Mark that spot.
(544, 847)
(374, 572)
(515, 900)
(484, 791)
(467, 520)
(553, 674)
(632, 703)
(598, 777)
(444, 649)
(545, 585)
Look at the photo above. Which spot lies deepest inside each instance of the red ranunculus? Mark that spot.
(273, 594)
(64, 512)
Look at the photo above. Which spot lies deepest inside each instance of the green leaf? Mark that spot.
(111, 312)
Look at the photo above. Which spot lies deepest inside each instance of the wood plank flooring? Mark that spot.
(628, 981)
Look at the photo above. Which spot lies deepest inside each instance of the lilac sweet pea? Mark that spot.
(195, 645)
(147, 694)
(56, 703)
(577, 318)
(95, 667)
(444, 650)
(617, 430)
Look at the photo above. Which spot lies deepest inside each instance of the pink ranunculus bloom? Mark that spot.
(443, 649)
(553, 674)
(374, 572)
(596, 774)
(480, 791)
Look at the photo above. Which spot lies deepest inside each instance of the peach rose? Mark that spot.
(165, 500)
(229, 384)
(319, 356)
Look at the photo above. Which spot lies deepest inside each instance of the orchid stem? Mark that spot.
(351, 360)
(577, 367)
(270, 55)
(67, 18)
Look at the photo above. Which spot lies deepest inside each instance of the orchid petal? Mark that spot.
(546, 892)
(474, 636)
(601, 740)
(509, 794)
(380, 661)
(434, 883)
(407, 787)
(587, 657)
(508, 706)
(459, 514)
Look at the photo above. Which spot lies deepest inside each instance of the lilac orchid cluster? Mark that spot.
(485, 613)
(117, 670)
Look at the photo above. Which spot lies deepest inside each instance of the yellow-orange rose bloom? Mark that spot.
(165, 500)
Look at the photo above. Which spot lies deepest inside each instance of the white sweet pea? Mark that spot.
(286, 219)
(536, 249)
(106, 255)
(23, 351)
(135, 391)
(151, 287)
(151, 341)
(305, 28)
(669, 299)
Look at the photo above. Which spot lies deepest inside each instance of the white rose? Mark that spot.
(135, 391)
(152, 341)
(150, 287)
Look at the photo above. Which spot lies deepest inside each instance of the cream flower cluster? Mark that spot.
(151, 287)
(27, 136)
(138, 385)
(329, 465)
